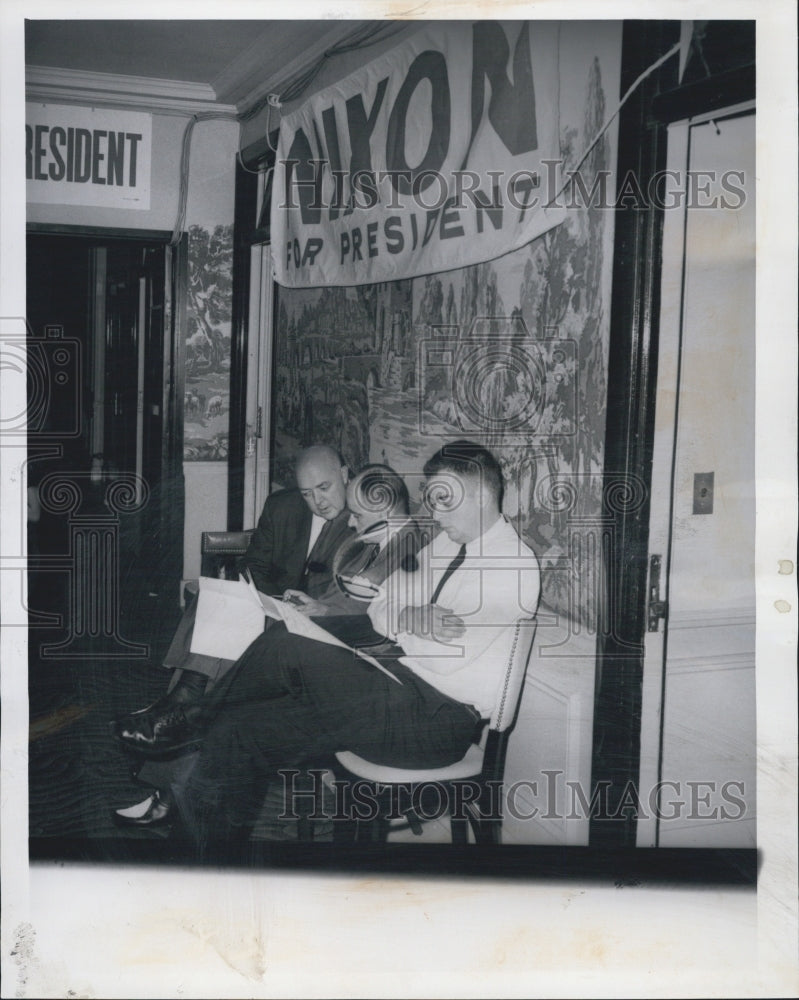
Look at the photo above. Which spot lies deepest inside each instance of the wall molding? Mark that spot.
(714, 639)
(717, 661)
(53, 85)
(722, 617)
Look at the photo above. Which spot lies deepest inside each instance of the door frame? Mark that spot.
(248, 231)
(172, 514)
(630, 423)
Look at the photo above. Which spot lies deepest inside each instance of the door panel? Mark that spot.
(698, 719)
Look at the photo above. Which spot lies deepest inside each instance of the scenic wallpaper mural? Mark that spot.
(206, 402)
(512, 353)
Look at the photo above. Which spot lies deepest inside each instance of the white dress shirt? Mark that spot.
(497, 583)
(317, 523)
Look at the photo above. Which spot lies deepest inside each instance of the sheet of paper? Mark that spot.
(300, 624)
(228, 619)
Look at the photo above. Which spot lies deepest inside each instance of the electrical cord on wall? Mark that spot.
(185, 161)
(608, 121)
(361, 38)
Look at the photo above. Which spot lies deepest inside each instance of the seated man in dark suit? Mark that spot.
(306, 699)
(291, 548)
(387, 538)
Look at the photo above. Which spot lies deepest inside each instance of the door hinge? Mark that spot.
(656, 608)
(259, 423)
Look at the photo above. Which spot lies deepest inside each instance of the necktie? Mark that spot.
(363, 550)
(320, 540)
(457, 560)
(371, 551)
(358, 557)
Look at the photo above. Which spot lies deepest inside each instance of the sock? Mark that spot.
(190, 687)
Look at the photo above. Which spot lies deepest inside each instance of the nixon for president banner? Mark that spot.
(440, 153)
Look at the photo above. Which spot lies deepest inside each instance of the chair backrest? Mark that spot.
(509, 694)
(508, 699)
(219, 551)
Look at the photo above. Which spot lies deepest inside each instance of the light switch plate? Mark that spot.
(703, 492)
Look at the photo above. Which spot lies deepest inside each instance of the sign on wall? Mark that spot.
(82, 156)
(440, 153)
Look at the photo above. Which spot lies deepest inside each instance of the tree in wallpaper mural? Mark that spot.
(561, 295)
(525, 371)
(207, 394)
(511, 352)
(324, 357)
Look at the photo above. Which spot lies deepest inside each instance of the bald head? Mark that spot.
(322, 480)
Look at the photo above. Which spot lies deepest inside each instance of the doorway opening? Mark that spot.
(105, 349)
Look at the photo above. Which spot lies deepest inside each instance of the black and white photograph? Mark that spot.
(399, 500)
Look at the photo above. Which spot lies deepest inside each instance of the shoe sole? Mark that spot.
(164, 751)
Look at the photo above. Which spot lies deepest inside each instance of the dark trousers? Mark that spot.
(179, 656)
(355, 630)
(301, 703)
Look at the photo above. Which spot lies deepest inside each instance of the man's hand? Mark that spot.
(431, 621)
(302, 602)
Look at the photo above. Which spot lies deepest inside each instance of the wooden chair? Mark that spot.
(472, 785)
(219, 553)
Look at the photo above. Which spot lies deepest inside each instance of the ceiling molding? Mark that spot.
(248, 69)
(52, 85)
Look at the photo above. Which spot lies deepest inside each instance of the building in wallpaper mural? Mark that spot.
(206, 402)
(513, 352)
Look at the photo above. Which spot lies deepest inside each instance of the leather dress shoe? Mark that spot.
(158, 815)
(159, 707)
(156, 733)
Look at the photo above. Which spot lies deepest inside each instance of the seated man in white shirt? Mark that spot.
(453, 618)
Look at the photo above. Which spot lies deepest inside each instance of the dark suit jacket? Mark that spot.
(347, 618)
(400, 552)
(276, 556)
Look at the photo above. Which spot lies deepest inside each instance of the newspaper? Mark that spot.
(231, 613)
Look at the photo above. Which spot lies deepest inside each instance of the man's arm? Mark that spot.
(502, 594)
(276, 553)
(400, 590)
(258, 557)
(430, 620)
